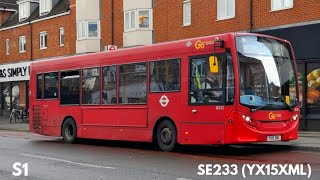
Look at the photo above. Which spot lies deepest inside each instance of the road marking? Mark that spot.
(182, 179)
(66, 161)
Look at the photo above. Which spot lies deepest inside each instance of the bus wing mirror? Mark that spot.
(214, 64)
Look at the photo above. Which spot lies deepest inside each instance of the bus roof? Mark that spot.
(126, 55)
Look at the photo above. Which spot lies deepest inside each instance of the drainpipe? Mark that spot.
(251, 15)
(112, 22)
(100, 18)
(31, 47)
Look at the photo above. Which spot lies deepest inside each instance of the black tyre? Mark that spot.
(69, 131)
(166, 136)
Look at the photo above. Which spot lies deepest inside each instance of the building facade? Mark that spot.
(90, 26)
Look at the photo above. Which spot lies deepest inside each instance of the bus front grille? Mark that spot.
(37, 118)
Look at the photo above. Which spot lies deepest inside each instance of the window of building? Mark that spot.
(69, 87)
(39, 86)
(91, 86)
(93, 29)
(61, 36)
(226, 9)
(281, 4)
(109, 89)
(88, 29)
(22, 44)
(45, 6)
(50, 85)
(24, 10)
(165, 75)
(141, 17)
(133, 84)
(43, 40)
(187, 13)
(205, 87)
(7, 46)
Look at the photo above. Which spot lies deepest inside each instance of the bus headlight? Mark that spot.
(295, 117)
(248, 120)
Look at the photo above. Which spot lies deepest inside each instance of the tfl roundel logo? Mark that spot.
(164, 101)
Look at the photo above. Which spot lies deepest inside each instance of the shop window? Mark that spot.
(109, 90)
(205, 86)
(313, 88)
(69, 87)
(165, 75)
(50, 85)
(133, 84)
(6, 93)
(39, 86)
(91, 86)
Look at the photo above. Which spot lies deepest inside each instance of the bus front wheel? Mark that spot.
(69, 131)
(166, 136)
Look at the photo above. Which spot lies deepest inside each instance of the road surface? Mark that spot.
(50, 158)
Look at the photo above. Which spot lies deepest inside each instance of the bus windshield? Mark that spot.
(267, 73)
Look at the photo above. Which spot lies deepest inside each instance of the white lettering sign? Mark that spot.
(15, 72)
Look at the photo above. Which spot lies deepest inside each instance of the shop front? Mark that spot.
(14, 87)
(305, 40)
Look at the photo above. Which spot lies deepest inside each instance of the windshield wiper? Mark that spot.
(260, 107)
(286, 105)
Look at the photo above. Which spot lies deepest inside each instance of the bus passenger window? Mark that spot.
(205, 86)
(133, 84)
(91, 86)
(39, 86)
(109, 89)
(230, 80)
(69, 87)
(165, 75)
(51, 85)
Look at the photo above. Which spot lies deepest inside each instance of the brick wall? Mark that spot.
(52, 28)
(13, 36)
(302, 11)
(106, 23)
(168, 23)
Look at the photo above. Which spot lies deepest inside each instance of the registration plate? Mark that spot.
(274, 138)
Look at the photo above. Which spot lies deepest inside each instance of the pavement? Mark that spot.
(13, 126)
(307, 141)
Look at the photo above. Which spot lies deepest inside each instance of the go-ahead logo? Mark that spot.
(273, 116)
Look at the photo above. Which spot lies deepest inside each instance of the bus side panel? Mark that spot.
(120, 116)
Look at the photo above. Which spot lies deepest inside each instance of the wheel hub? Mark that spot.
(166, 135)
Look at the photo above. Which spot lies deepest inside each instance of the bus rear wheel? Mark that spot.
(69, 131)
(166, 136)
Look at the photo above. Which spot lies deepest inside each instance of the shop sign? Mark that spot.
(15, 72)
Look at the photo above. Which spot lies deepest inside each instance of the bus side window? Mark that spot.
(165, 75)
(133, 83)
(109, 85)
(39, 86)
(50, 85)
(205, 86)
(230, 79)
(69, 87)
(91, 86)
